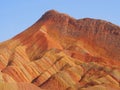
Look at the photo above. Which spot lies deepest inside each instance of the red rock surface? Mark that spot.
(59, 52)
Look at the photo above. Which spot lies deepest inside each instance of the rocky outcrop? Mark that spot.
(18, 86)
(59, 52)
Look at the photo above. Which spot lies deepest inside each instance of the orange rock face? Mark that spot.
(59, 52)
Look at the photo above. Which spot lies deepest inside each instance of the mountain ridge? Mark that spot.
(59, 52)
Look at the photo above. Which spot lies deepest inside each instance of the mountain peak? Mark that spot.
(61, 52)
(54, 16)
(87, 32)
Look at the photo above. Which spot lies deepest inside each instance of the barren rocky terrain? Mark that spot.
(59, 52)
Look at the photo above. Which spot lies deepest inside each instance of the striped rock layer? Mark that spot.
(59, 52)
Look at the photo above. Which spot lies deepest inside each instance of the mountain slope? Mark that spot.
(59, 52)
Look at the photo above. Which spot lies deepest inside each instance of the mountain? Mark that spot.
(60, 52)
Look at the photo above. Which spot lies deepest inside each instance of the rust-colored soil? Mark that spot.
(59, 52)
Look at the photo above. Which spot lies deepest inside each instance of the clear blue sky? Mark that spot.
(17, 15)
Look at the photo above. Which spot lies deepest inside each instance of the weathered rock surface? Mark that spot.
(59, 52)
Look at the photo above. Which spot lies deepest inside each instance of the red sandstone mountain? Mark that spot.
(59, 52)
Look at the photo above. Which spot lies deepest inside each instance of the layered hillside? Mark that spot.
(59, 52)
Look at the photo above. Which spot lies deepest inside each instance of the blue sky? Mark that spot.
(17, 15)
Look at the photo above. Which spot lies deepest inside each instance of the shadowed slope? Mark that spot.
(97, 37)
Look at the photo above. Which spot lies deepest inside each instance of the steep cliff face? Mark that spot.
(59, 52)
